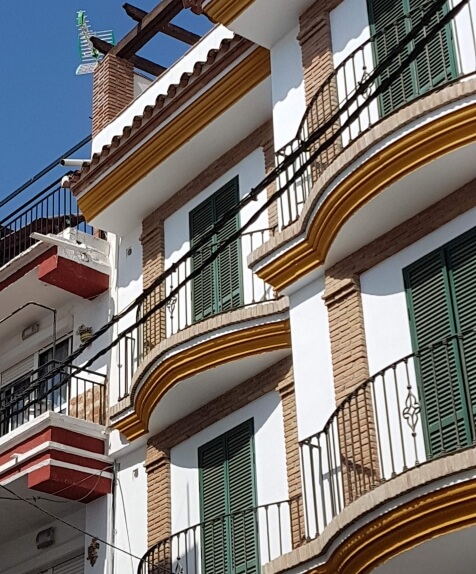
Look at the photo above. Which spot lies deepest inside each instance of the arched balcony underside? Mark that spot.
(200, 363)
(396, 521)
(399, 167)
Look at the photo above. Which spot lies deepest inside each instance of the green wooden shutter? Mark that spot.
(244, 543)
(389, 27)
(461, 256)
(439, 374)
(218, 288)
(227, 494)
(203, 286)
(390, 21)
(214, 504)
(229, 262)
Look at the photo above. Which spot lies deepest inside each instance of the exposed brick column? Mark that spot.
(293, 464)
(113, 90)
(159, 517)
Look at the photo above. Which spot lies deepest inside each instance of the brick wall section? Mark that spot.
(152, 238)
(277, 377)
(344, 304)
(113, 90)
(90, 405)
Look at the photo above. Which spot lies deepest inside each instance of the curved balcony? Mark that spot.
(365, 131)
(398, 452)
(222, 318)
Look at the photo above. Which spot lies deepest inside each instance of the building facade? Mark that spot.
(288, 233)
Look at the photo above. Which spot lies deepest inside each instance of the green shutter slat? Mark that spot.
(214, 504)
(218, 288)
(390, 21)
(201, 221)
(229, 545)
(462, 266)
(439, 373)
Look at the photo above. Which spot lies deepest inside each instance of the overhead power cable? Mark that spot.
(360, 90)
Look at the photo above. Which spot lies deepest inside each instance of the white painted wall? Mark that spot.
(97, 515)
(287, 84)
(313, 379)
(387, 326)
(126, 286)
(20, 555)
(131, 510)
(271, 478)
(250, 171)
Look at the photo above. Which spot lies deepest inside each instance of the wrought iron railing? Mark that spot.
(240, 542)
(414, 410)
(50, 211)
(449, 56)
(81, 396)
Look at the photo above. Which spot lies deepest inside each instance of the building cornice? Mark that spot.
(236, 83)
(194, 360)
(225, 11)
(407, 154)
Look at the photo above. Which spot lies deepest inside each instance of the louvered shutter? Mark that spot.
(389, 27)
(229, 262)
(73, 566)
(18, 371)
(462, 271)
(204, 285)
(227, 494)
(213, 503)
(440, 383)
(244, 544)
(436, 64)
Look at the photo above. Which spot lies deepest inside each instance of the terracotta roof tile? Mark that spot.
(161, 102)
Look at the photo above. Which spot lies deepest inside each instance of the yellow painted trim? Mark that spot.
(225, 11)
(194, 118)
(440, 512)
(410, 152)
(196, 359)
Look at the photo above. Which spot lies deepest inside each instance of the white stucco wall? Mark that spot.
(387, 327)
(250, 171)
(313, 379)
(271, 478)
(287, 84)
(131, 510)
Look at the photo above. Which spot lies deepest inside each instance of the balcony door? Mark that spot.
(53, 392)
(218, 287)
(390, 22)
(441, 291)
(227, 498)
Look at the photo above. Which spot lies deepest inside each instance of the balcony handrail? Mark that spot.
(365, 442)
(281, 506)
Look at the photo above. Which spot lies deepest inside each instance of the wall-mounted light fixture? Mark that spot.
(45, 538)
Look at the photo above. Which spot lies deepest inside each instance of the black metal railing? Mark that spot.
(449, 56)
(240, 542)
(50, 211)
(81, 396)
(415, 410)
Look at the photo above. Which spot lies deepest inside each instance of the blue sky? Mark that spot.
(45, 107)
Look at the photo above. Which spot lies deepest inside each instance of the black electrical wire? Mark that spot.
(361, 89)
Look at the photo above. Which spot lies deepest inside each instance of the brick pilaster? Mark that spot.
(113, 90)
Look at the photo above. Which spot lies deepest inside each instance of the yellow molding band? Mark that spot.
(414, 150)
(194, 118)
(196, 359)
(440, 512)
(225, 11)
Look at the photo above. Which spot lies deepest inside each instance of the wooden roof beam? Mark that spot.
(170, 29)
(140, 63)
(147, 28)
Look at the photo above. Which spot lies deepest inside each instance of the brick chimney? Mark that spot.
(113, 90)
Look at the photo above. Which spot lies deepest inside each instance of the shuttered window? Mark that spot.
(440, 293)
(227, 499)
(391, 21)
(218, 287)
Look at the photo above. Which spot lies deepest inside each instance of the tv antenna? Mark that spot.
(90, 57)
